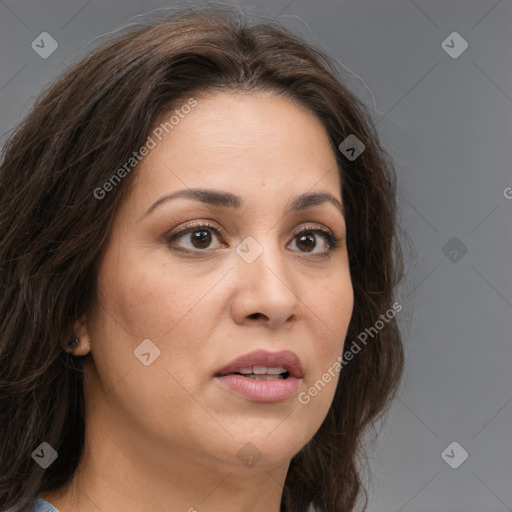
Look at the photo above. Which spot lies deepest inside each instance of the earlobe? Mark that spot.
(80, 344)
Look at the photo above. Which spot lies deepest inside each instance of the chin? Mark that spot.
(259, 451)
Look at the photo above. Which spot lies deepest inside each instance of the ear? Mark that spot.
(83, 347)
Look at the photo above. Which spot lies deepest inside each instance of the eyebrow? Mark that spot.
(222, 199)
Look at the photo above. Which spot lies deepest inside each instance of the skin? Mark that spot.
(166, 436)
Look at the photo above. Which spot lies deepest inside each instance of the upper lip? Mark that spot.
(284, 358)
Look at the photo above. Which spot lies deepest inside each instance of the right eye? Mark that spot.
(199, 240)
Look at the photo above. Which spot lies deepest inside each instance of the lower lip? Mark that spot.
(260, 390)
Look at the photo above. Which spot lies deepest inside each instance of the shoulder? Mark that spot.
(41, 505)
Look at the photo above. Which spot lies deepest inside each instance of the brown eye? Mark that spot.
(201, 239)
(306, 241)
(198, 237)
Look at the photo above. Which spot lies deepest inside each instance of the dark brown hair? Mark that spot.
(53, 230)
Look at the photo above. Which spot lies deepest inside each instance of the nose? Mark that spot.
(266, 290)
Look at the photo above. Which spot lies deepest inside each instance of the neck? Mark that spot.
(116, 473)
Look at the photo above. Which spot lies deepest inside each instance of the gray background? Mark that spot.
(448, 124)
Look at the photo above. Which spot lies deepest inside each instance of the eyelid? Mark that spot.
(182, 229)
(311, 227)
(333, 241)
(219, 229)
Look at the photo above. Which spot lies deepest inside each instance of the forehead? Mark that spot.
(240, 143)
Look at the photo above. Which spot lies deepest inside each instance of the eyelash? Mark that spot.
(332, 240)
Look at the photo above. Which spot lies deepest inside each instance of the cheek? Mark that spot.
(330, 308)
(144, 301)
(143, 295)
(331, 312)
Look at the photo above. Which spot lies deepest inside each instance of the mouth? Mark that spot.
(263, 376)
(263, 373)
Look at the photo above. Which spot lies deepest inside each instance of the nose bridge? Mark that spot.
(261, 252)
(264, 271)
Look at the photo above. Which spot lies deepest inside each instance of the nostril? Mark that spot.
(256, 315)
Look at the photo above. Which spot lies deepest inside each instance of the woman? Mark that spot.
(198, 233)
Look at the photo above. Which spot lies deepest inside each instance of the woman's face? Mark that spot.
(174, 309)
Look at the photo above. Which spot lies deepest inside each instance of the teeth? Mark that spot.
(262, 377)
(262, 370)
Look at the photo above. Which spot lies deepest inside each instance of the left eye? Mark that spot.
(305, 240)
